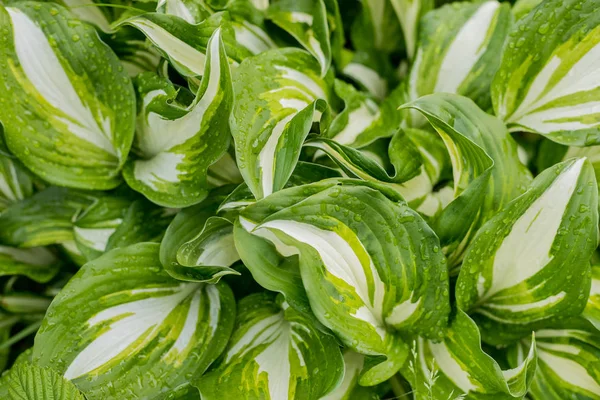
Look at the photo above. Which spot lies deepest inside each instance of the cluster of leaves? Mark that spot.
(299, 199)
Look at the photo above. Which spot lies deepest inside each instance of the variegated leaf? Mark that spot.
(369, 264)
(486, 169)
(549, 79)
(123, 326)
(15, 181)
(458, 368)
(198, 246)
(37, 263)
(184, 44)
(192, 12)
(69, 110)
(376, 28)
(278, 95)
(409, 13)
(568, 364)
(177, 145)
(514, 276)
(460, 50)
(306, 21)
(274, 353)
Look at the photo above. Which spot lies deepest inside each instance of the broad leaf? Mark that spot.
(30, 382)
(514, 276)
(548, 81)
(69, 107)
(37, 263)
(460, 50)
(177, 145)
(274, 353)
(369, 264)
(376, 28)
(122, 325)
(306, 21)
(486, 169)
(568, 366)
(277, 96)
(458, 366)
(353, 364)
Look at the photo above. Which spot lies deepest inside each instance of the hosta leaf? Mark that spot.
(69, 110)
(487, 171)
(122, 325)
(198, 245)
(376, 27)
(359, 253)
(178, 145)
(190, 11)
(548, 81)
(30, 382)
(274, 353)
(363, 120)
(458, 366)
(184, 44)
(409, 14)
(37, 263)
(15, 182)
(514, 273)
(277, 95)
(306, 21)
(568, 366)
(370, 72)
(592, 309)
(460, 49)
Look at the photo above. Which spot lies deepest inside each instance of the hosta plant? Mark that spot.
(303, 200)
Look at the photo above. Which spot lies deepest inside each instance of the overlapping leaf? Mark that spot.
(457, 366)
(367, 263)
(177, 144)
(274, 353)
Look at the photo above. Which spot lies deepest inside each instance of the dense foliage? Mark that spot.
(299, 199)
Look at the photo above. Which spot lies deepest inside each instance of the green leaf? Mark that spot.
(198, 246)
(69, 107)
(30, 382)
(353, 364)
(121, 325)
(190, 11)
(409, 13)
(513, 278)
(568, 366)
(376, 27)
(459, 366)
(277, 97)
(37, 263)
(306, 21)
(548, 80)
(460, 50)
(15, 182)
(486, 169)
(177, 145)
(369, 264)
(274, 353)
